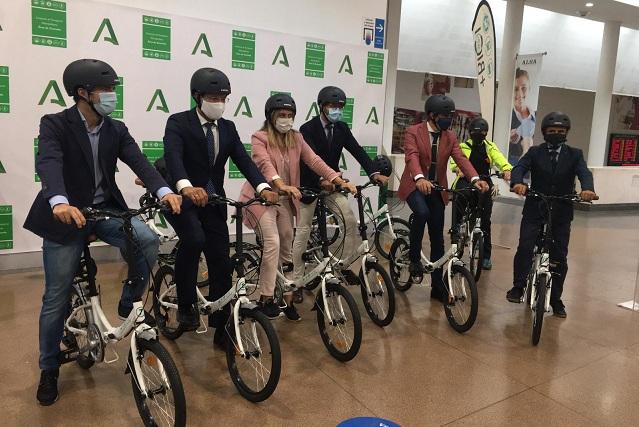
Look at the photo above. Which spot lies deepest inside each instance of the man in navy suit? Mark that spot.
(553, 167)
(197, 145)
(78, 151)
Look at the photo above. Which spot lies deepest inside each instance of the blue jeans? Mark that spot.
(61, 263)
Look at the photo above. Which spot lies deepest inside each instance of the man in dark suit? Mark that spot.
(78, 151)
(197, 145)
(553, 167)
(328, 135)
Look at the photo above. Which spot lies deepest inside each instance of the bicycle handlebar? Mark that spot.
(566, 197)
(216, 199)
(98, 214)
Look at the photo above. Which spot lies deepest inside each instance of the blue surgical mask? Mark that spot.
(107, 103)
(334, 115)
(444, 122)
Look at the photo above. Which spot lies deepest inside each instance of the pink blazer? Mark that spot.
(417, 152)
(269, 161)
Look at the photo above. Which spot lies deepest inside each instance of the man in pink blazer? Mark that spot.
(427, 149)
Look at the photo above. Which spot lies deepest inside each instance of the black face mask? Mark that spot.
(477, 137)
(554, 140)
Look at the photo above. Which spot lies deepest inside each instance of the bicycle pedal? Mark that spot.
(202, 329)
(115, 359)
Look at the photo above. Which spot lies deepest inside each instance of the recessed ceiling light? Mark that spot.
(589, 4)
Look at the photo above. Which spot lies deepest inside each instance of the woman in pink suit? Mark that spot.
(277, 150)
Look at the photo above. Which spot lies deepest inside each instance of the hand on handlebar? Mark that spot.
(197, 195)
(69, 214)
(520, 189)
(506, 176)
(380, 179)
(588, 196)
(482, 185)
(348, 186)
(424, 186)
(270, 196)
(326, 185)
(291, 191)
(173, 201)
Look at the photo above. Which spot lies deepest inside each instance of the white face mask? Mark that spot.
(283, 124)
(213, 110)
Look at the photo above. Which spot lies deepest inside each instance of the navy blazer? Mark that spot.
(65, 166)
(315, 136)
(570, 165)
(186, 153)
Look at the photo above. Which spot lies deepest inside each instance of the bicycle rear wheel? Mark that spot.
(342, 335)
(539, 308)
(462, 312)
(398, 265)
(255, 372)
(163, 403)
(476, 254)
(380, 301)
(384, 238)
(164, 287)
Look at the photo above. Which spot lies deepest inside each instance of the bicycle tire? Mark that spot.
(84, 361)
(539, 309)
(476, 255)
(351, 352)
(398, 265)
(175, 382)
(232, 352)
(161, 313)
(401, 227)
(474, 304)
(385, 287)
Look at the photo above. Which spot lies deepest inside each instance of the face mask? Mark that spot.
(107, 103)
(555, 139)
(213, 110)
(477, 137)
(334, 115)
(283, 124)
(444, 123)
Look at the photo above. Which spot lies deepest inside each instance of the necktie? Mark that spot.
(432, 171)
(329, 134)
(210, 145)
(553, 159)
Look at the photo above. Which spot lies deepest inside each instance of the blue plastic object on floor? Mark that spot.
(367, 422)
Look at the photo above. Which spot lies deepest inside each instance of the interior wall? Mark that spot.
(408, 93)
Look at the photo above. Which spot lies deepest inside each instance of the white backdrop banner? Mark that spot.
(485, 58)
(155, 57)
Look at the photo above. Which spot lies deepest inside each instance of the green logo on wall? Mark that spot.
(244, 108)
(2, 169)
(118, 113)
(372, 116)
(371, 150)
(156, 37)
(111, 37)
(342, 163)
(346, 66)
(206, 49)
(243, 50)
(153, 150)
(375, 68)
(35, 158)
(158, 95)
(284, 60)
(314, 64)
(4, 89)
(234, 172)
(347, 116)
(6, 227)
(49, 23)
(53, 86)
(313, 111)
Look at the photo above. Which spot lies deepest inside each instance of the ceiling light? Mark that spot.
(589, 4)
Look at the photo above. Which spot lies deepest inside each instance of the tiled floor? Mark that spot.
(417, 371)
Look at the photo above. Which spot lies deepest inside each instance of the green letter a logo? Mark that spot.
(111, 38)
(158, 95)
(207, 49)
(58, 95)
(372, 116)
(313, 111)
(247, 108)
(342, 162)
(346, 66)
(284, 60)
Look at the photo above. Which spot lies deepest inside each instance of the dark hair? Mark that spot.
(521, 73)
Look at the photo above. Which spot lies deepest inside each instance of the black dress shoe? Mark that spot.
(416, 271)
(219, 338)
(558, 309)
(48, 387)
(189, 319)
(515, 295)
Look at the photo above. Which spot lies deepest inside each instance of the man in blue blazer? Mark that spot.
(78, 151)
(197, 145)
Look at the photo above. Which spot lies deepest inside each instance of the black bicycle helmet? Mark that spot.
(331, 94)
(210, 81)
(439, 104)
(383, 165)
(555, 119)
(88, 74)
(279, 101)
(478, 124)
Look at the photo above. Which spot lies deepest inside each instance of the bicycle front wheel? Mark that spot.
(476, 255)
(162, 403)
(383, 237)
(342, 334)
(164, 288)
(539, 308)
(399, 263)
(462, 311)
(255, 371)
(380, 300)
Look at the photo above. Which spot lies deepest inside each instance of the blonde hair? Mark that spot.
(277, 139)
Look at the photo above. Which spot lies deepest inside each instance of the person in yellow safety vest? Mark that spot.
(484, 156)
